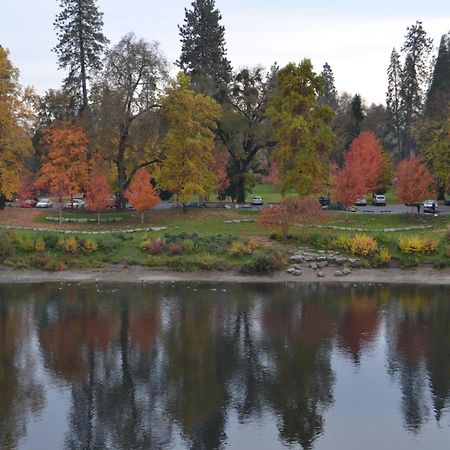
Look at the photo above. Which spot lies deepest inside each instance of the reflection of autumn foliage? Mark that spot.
(358, 327)
(144, 326)
(68, 340)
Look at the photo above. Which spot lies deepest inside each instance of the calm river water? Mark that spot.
(232, 366)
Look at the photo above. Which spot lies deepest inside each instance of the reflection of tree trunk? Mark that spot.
(90, 397)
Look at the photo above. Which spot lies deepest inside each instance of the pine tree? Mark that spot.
(438, 98)
(80, 45)
(415, 75)
(393, 99)
(329, 95)
(203, 53)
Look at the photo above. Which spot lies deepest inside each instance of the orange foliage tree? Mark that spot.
(65, 161)
(141, 194)
(98, 193)
(414, 182)
(291, 212)
(362, 171)
(220, 169)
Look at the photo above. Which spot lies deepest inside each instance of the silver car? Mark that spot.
(44, 203)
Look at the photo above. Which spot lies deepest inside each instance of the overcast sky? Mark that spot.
(354, 36)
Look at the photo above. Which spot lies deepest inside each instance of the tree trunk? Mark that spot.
(240, 188)
(98, 217)
(2, 202)
(142, 217)
(441, 192)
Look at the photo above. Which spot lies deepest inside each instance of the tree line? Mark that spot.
(213, 128)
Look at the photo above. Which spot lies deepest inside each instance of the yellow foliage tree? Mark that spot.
(188, 168)
(15, 143)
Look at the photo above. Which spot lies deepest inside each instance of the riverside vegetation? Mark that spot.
(204, 240)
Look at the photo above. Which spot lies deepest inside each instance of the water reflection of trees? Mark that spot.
(21, 394)
(151, 363)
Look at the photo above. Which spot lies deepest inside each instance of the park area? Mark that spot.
(238, 240)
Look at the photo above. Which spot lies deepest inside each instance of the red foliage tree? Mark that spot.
(363, 169)
(141, 194)
(98, 193)
(220, 169)
(273, 177)
(291, 212)
(65, 162)
(414, 182)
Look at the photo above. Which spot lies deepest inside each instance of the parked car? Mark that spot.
(257, 201)
(75, 203)
(447, 202)
(325, 200)
(361, 201)
(430, 206)
(28, 203)
(44, 203)
(379, 200)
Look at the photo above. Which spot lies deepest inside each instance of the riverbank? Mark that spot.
(117, 274)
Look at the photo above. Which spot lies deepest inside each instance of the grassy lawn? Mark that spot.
(269, 193)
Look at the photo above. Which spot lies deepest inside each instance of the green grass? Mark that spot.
(269, 193)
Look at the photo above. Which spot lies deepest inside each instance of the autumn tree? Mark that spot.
(220, 170)
(127, 107)
(244, 129)
(98, 193)
(433, 138)
(291, 212)
(141, 194)
(80, 45)
(301, 128)
(15, 144)
(363, 169)
(65, 164)
(203, 54)
(187, 169)
(414, 182)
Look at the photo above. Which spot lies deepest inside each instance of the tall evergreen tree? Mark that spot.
(415, 75)
(203, 53)
(80, 45)
(329, 94)
(438, 98)
(393, 98)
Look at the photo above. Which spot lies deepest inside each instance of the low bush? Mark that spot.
(41, 261)
(108, 244)
(24, 242)
(363, 245)
(39, 245)
(69, 245)
(384, 257)
(264, 261)
(416, 244)
(154, 245)
(343, 242)
(188, 245)
(90, 246)
(240, 248)
(51, 241)
(6, 246)
(175, 248)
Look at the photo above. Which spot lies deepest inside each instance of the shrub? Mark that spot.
(90, 246)
(154, 245)
(39, 245)
(6, 246)
(60, 266)
(266, 260)
(24, 242)
(188, 245)
(51, 241)
(416, 244)
(69, 245)
(108, 244)
(385, 257)
(363, 245)
(175, 248)
(239, 248)
(343, 242)
(41, 261)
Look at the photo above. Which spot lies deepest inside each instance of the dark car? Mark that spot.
(324, 200)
